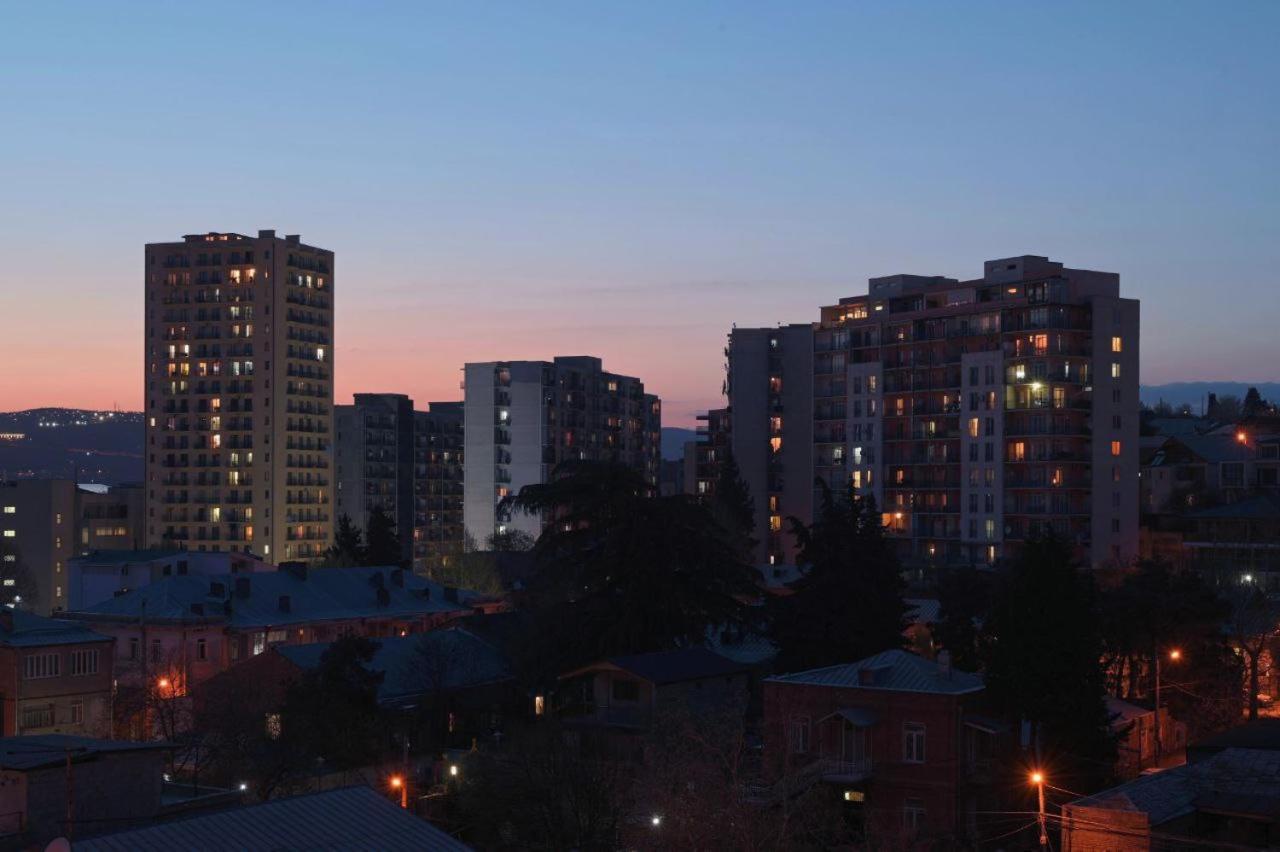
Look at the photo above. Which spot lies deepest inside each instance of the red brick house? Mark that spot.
(898, 736)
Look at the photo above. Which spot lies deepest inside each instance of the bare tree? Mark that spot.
(1253, 624)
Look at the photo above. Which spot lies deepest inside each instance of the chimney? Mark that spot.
(266, 235)
(293, 238)
(384, 597)
(242, 587)
(944, 664)
(284, 604)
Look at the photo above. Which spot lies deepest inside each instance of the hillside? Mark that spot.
(1195, 393)
(93, 446)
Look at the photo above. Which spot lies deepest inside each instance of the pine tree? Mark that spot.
(382, 545)
(347, 549)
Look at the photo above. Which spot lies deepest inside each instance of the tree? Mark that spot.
(1225, 409)
(382, 545)
(964, 599)
(848, 604)
(732, 506)
(618, 570)
(511, 541)
(538, 793)
(1042, 649)
(1253, 623)
(331, 712)
(347, 550)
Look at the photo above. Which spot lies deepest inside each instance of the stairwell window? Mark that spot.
(912, 742)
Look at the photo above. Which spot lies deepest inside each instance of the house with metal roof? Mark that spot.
(906, 739)
(1229, 800)
(100, 575)
(352, 818)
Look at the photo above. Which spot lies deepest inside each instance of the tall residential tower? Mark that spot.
(525, 417)
(238, 372)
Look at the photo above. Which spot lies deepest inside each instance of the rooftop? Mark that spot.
(283, 597)
(353, 818)
(895, 671)
(445, 659)
(22, 629)
(1242, 780)
(35, 752)
(1257, 507)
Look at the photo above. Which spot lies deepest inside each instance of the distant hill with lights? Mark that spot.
(92, 446)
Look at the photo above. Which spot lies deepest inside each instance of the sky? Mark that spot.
(503, 181)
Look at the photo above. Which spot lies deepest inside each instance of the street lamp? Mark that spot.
(1037, 778)
(655, 820)
(397, 783)
(1174, 656)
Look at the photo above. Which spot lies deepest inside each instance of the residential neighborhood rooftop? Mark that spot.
(890, 670)
(22, 629)
(35, 752)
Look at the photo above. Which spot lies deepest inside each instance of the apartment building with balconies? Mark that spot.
(981, 413)
(238, 372)
(770, 390)
(408, 463)
(523, 418)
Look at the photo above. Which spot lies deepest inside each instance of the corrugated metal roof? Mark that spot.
(327, 594)
(893, 670)
(33, 752)
(353, 818)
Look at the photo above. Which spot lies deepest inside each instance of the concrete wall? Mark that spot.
(1115, 500)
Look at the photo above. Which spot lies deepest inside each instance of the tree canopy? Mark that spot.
(848, 603)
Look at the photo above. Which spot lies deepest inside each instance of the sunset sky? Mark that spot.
(521, 180)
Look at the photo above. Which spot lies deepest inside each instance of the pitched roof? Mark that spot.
(439, 659)
(894, 670)
(34, 752)
(1258, 507)
(1217, 447)
(33, 631)
(1263, 733)
(352, 818)
(326, 594)
(106, 557)
(1240, 779)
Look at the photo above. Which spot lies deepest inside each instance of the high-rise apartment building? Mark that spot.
(239, 395)
(770, 388)
(525, 417)
(980, 413)
(373, 462)
(703, 456)
(437, 484)
(409, 464)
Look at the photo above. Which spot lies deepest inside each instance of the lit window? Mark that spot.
(1115, 448)
(775, 444)
(1115, 370)
(1117, 344)
(10, 533)
(775, 523)
(973, 427)
(9, 510)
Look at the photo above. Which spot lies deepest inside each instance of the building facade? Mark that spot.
(409, 464)
(981, 413)
(770, 388)
(702, 457)
(238, 375)
(522, 418)
(46, 522)
(56, 677)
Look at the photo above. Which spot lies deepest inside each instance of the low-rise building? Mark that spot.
(1229, 800)
(631, 693)
(903, 737)
(55, 676)
(103, 574)
(184, 629)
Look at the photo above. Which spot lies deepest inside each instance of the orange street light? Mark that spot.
(1037, 778)
(163, 683)
(1242, 437)
(1175, 654)
(397, 783)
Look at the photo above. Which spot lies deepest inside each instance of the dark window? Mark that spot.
(626, 690)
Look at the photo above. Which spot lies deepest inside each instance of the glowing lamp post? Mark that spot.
(1037, 778)
(398, 783)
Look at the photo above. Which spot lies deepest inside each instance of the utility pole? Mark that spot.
(71, 797)
(1174, 655)
(1037, 778)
